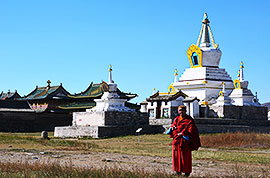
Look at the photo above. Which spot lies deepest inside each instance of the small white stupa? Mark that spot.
(204, 78)
(223, 98)
(241, 95)
(110, 100)
(109, 118)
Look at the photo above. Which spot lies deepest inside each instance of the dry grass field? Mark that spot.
(221, 155)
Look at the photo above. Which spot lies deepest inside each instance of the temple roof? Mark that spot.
(97, 90)
(47, 92)
(166, 96)
(9, 95)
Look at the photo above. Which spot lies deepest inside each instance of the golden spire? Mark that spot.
(175, 72)
(110, 74)
(242, 65)
(204, 34)
(110, 68)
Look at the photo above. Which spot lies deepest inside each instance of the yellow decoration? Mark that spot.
(175, 72)
(194, 49)
(242, 65)
(237, 84)
(205, 81)
(110, 67)
(205, 102)
(187, 83)
(171, 88)
(220, 93)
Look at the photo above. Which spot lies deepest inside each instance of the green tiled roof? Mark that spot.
(97, 90)
(44, 92)
(9, 95)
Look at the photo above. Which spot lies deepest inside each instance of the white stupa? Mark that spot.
(223, 98)
(110, 100)
(241, 95)
(204, 79)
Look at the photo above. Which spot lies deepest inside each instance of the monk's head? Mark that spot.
(182, 110)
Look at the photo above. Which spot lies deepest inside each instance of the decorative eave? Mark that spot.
(166, 96)
(190, 99)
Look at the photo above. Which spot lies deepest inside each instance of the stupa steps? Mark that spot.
(205, 73)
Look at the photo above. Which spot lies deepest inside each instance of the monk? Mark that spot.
(185, 139)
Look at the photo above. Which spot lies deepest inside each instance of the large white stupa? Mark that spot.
(204, 79)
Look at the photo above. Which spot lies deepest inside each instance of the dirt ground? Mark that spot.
(147, 163)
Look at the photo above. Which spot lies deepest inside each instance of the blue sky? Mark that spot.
(73, 42)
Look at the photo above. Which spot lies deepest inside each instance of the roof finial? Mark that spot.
(175, 76)
(110, 74)
(223, 88)
(241, 72)
(154, 91)
(49, 83)
(238, 75)
(204, 34)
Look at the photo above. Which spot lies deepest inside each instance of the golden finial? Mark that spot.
(205, 19)
(175, 72)
(238, 73)
(205, 16)
(110, 67)
(49, 82)
(242, 65)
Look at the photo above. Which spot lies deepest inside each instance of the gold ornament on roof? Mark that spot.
(175, 72)
(171, 88)
(49, 83)
(110, 68)
(221, 93)
(242, 65)
(237, 84)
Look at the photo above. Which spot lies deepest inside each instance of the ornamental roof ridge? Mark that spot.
(44, 92)
(167, 97)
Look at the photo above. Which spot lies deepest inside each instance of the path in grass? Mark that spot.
(238, 154)
(133, 162)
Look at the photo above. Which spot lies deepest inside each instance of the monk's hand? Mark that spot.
(179, 134)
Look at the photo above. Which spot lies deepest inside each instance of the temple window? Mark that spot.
(195, 58)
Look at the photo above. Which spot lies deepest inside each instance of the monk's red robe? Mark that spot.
(181, 149)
